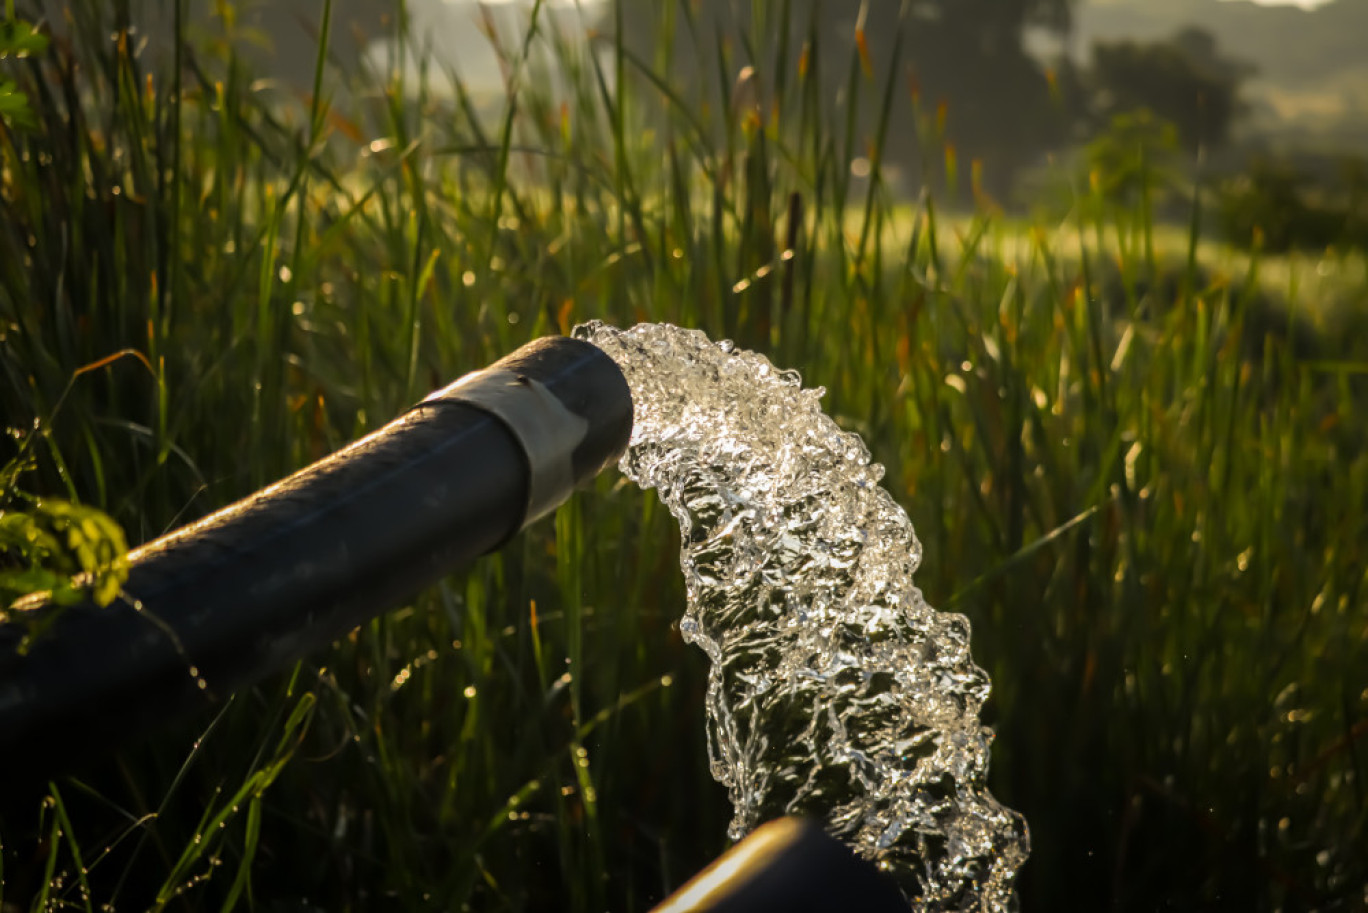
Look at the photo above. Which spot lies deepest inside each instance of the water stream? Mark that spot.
(835, 691)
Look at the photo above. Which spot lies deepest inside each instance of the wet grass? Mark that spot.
(1141, 474)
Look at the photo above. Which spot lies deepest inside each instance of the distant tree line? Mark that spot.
(1279, 205)
(965, 61)
(1185, 80)
(277, 38)
(963, 84)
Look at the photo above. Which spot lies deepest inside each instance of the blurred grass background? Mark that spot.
(1134, 455)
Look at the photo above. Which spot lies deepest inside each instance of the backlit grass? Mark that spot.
(1141, 474)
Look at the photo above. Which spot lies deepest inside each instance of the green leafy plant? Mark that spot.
(18, 39)
(62, 551)
(54, 553)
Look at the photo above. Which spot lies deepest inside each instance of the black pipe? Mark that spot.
(244, 592)
(789, 865)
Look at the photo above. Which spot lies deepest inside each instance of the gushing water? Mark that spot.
(835, 691)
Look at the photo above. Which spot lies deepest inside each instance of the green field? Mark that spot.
(1135, 458)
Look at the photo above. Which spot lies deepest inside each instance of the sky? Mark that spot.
(1304, 4)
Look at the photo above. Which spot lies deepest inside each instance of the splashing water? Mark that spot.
(835, 691)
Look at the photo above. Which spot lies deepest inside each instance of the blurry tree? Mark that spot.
(277, 38)
(1132, 161)
(1278, 207)
(969, 55)
(1184, 80)
(1353, 174)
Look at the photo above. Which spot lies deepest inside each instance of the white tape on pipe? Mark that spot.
(548, 432)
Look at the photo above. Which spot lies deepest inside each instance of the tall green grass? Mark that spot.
(1125, 470)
